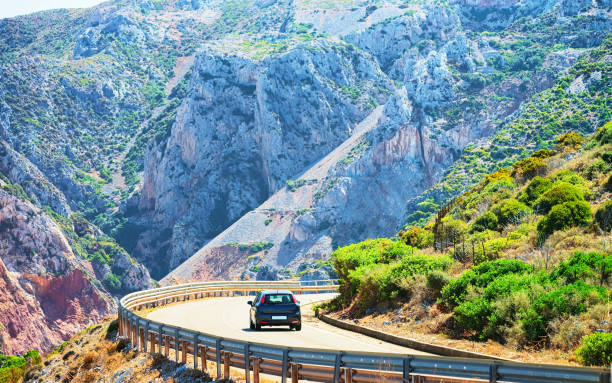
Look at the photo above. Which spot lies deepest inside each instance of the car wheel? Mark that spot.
(298, 327)
(257, 327)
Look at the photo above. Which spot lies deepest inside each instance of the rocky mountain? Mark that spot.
(261, 135)
(455, 83)
(48, 293)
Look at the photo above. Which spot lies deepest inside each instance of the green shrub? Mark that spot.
(437, 280)
(562, 301)
(529, 167)
(603, 135)
(596, 350)
(417, 237)
(571, 140)
(559, 193)
(603, 216)
(593, 267)
(607, 185)
(112, 282)
(376, 269)
(599, 166)
(509, 211)
(12, 368)
(480, 276)
(487, 221)
(505, 298)
(564, 216)
(536, 187)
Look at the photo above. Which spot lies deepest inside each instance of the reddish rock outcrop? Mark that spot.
(48, 294)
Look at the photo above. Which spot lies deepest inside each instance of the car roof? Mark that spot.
(276, 292)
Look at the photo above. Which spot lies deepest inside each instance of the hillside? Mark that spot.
(520, 262)
(173, 140)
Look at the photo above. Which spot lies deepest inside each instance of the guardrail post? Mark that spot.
(135, 336)
(247, 359)
(226, 365)
(337, 365)
(218, 355)
(195, 351)
(160, 337)
(184, 355)
(176, 344)
(119, 322)
(294, 373)
(348, 375)
(145, 337)
(167, 346)
(143, 343)
(203, 355)
(407, 369)
(493, 373)
(152, 337)
(285, 365)
(256, 370)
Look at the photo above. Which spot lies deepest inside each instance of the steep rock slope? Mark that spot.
(48, 294)
(242, 131)
(452, 87)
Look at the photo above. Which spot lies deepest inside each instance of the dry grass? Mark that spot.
(97, 354)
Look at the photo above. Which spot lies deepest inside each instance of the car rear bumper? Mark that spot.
(266, 320)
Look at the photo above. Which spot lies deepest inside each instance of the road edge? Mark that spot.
(407, 342)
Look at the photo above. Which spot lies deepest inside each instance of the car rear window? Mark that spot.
(282, 299)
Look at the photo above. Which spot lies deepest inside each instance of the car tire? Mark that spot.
(298, 327)
(257, 327)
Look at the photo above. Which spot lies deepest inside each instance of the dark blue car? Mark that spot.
(275, 308)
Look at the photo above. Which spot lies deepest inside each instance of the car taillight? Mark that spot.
(262, 299)
(294, 300)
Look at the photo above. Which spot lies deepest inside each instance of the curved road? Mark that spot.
(229, 318)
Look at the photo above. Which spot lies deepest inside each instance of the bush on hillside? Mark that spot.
(603, 216)
(480, 276)
(559, 193)
(529, 167)
(536, 187)
(437, 280)
(417, 237)
(375, 270)
(487, 221)
(594, 268)
(508, 300)
(602, 136)
(607, 185)
(509, 211)
(596, 350)
(571, 140)
(564, 216)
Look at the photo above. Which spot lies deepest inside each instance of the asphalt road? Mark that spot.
(229, 318)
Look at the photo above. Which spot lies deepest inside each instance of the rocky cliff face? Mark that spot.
(242, 131)
(48, 294)
(451, 87)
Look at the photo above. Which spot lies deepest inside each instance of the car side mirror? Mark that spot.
(250, 303)
(297, 303)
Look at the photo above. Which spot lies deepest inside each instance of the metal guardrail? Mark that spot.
(314, 364)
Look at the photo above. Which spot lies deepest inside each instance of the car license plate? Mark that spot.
(279, 317)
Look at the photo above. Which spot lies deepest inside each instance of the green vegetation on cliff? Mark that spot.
(13, 368)
(578, 101)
